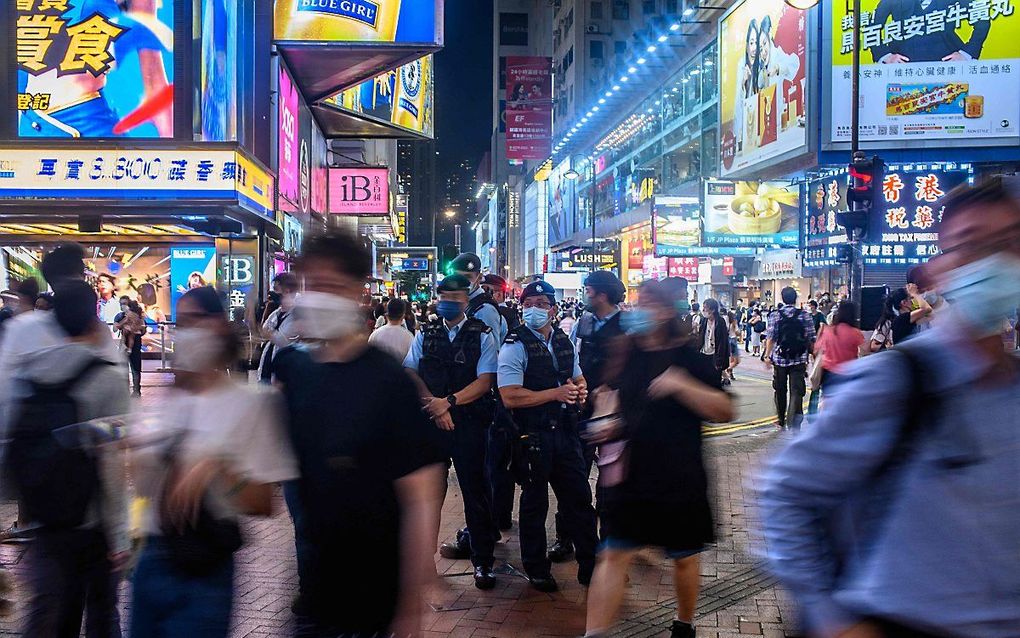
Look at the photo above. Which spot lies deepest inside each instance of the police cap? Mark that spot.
(607, 282)
(466, 262)
(495, 281)
(538, 288)
(454, 283)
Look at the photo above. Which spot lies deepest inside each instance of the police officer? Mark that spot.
(497, 287)
(591, 335)
(480, 306)
(455, 360)
(540, 381)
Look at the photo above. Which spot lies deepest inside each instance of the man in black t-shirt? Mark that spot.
(817, 316)
(371, 477)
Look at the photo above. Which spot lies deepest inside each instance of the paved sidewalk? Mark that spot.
(737, 600)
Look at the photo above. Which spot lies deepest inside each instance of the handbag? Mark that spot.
(202, 548)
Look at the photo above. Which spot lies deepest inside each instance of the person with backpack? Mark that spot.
(68, 482)
(895, 515)
(790, 335)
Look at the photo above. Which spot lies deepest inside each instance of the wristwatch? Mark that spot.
(452, 399)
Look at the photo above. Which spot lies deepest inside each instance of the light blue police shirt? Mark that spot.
(513, 361)
(486, 363)
(490, 317)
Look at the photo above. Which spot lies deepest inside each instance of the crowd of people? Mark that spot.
(360, 407)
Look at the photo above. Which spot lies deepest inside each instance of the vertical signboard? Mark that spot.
(762, 92)
(401, 210)
(562, 207)
(320, 168)
(218, 80)
(930, 70)
(96, 70)
(528, 108)
(190, 267)
(824, 199)
(288, 153)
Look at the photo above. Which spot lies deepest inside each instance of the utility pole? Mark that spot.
(855, 269)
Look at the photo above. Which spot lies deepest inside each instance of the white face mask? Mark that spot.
(287, 301)
(323, 316)
(196, 349)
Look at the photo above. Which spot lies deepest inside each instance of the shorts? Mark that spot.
(624, 544)
(734, 348)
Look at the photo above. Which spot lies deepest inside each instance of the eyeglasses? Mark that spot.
(544, 305)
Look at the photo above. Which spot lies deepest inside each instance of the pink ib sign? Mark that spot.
(288, 158)
(359, 191)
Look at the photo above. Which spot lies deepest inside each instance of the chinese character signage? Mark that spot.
(932, 70)
(824, 199)
(190, 267)
(401, 208)
(320, 171)
(528, 108)
(378, 21)
(906, 229)
(403, 97)
(686, 267)
(751, 214)
(288, 136)
(762, 57)
(359, 191)
(98, 70)
(119, 174)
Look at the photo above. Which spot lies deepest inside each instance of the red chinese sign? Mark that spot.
(528, 108)
(686, 267)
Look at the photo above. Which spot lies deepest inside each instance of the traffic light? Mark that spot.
(863, 192)
(446, 256)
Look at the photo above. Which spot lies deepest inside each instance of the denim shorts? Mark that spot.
(625, 544)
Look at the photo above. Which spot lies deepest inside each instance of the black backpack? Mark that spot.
(791, 339)
(55, 475)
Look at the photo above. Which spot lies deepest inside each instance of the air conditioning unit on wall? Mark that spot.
(592, 27)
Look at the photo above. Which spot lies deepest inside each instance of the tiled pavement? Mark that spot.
(737, 600)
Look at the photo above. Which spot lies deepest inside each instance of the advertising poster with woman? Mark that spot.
(930, 70)
(762, 54)
(95, 68)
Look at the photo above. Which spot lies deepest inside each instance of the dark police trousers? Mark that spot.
(501, 479)
(468, 444)
(564, 471)
(588, 452)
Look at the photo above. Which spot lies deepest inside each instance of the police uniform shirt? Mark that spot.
(488, 314)
(486, 363)
(596, 324)
(513, 361)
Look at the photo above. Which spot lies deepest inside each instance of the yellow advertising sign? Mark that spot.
(403, 97)
(393, 21)
(254, 186)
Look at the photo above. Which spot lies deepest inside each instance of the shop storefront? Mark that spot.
(778, 269)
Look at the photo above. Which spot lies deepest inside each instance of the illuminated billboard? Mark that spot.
(95, 70)
(382, 21)
(359, 191)
(751, 214)
(762, 89)
(929, 71)
(403, 97)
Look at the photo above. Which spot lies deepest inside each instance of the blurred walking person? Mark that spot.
(67, 481)
(895, 514)
(393, 337)
(370, 459)
(666, 388)
(790, 337)
(278, 326)
(217, 448)
(840, 343)
(714, 337)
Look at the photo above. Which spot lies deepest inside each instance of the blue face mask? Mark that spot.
(986, 291)
(637, 322)
(536, 318)
(449, 310)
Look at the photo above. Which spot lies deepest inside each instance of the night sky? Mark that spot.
(464, 84)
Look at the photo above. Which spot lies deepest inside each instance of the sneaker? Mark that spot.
(16, 534)
(682, 629)
(484, 578)
(457, 550)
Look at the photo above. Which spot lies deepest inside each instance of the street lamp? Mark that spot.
(450, 214)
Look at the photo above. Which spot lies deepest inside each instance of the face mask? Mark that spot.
(449, 310)
(987, 290)
(536, 318)
(637, 322)
(323, 316)
(589, 304)
(123, 308)
(707, 314)
(196, 349)
(683, 306)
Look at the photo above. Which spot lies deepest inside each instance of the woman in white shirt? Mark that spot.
(211, 455)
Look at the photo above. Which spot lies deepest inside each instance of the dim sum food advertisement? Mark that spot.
(930, 70)
(762, 92)
(751, 214)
